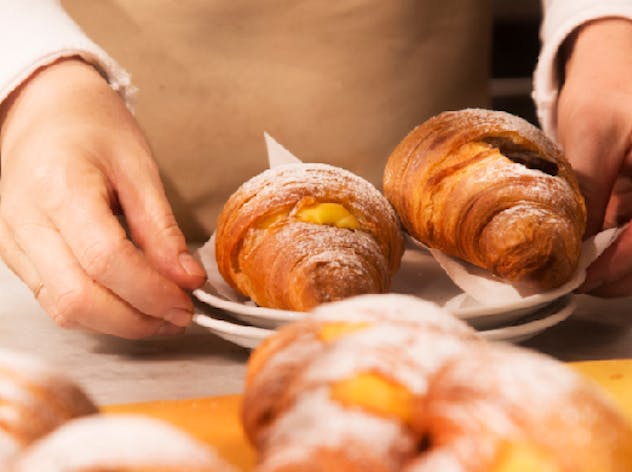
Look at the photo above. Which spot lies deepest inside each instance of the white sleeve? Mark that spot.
(34, 33)
(561, 17)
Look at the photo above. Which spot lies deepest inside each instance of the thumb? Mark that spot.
(596, 164)
(153, 226)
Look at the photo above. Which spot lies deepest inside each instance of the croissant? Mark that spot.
(35, 399)
(299, 235)
(279, 359)
(388, 393)
(490, 188)
(121, 443)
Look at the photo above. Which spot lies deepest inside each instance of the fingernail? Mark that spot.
(191, 265)
(179, 317)
(168, 329)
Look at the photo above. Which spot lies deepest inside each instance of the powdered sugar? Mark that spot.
(532, 185)
(9, 446)
(35, 398)
(264, 209)
(117, 441)
(37, 375)
(400, 353)
(469, 396)
(508, 393)
(286, 184)
(327, 243)
(495, 123)
(298, 434)
(394, 308)
(314, 179)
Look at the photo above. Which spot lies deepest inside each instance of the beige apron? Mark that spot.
(334, 81)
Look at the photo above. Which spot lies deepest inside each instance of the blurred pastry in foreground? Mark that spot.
(490, 188)
(504, 408)
(280, 358)
(121, 443)
(298, 235)
(398, 396)
(35, 398)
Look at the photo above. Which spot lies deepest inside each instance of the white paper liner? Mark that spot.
(468, 292)
(482, 291)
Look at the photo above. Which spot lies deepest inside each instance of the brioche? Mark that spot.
(299, 235)
(490, 188)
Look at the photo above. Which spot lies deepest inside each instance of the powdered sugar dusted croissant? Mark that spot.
(299, 235)
(390, 395)
(490, 188)
(279, 359)
(35, 398)
(506, 409)
(121, 443)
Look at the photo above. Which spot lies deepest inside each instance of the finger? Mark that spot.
(596, 166)
(619, 209)
(100, 245)
(620, 288)
(71, 297)
(613, 266)
(16, 259)
(153, 225)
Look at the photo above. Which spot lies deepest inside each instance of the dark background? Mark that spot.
(514, 54)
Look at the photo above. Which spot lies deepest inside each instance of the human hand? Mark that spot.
(72, 156)
(595, 129)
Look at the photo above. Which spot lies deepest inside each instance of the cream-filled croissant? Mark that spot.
(299, 235)
(395, 384)
(35, 398)
(490, 188)
(121, 443)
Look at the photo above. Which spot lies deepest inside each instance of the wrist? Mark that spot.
(601, 48)
(38, 97)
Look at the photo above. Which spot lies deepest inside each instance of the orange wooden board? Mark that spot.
(215, 420)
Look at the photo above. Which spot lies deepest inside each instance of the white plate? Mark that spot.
(245, 336)
(535, 324)
(250, 336)
(247, 311)
(419, 275)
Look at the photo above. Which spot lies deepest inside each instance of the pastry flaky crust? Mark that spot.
(415, 390)
(35, 398)
(121, 443)
(265, 252)
(489, 188)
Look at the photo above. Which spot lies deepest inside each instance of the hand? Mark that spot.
(595, 129)
(72, 157)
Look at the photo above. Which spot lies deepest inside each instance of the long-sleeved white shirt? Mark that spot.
(561, 18)
(34, 33)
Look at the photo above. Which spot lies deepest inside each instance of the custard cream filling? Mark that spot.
(326, 213)
(523, 457)
(332, 214)
(376, 394)
(333, 331)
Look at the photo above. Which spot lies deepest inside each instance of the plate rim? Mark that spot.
(532, 327)
(511, 333)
